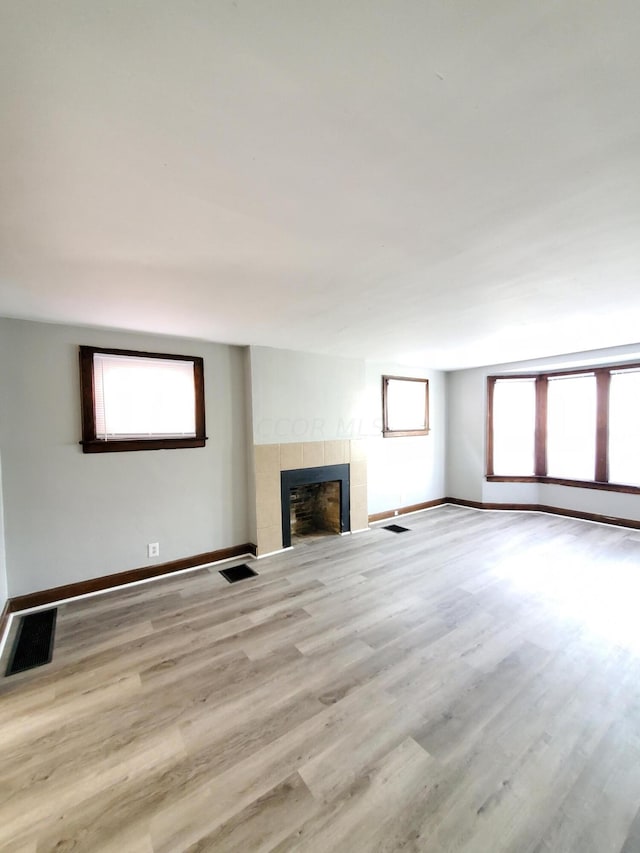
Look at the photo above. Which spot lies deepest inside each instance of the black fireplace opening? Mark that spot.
(315, 509)
(314, 500)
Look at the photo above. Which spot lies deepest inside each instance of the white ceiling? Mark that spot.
(455, 182)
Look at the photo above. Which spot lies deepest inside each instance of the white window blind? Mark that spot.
(138, 397)
(514, 423)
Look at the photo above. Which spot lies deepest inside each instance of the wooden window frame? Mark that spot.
(601, 461)
(92, 444)
(397, 433)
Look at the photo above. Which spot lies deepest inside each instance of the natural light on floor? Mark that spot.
(600, 598)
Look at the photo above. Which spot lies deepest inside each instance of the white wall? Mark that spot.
(300, 396)
(466, 445)
(406, 470)
(71, 516)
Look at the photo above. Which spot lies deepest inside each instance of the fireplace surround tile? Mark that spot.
(270, 539)
(358, 450)
(313, 454)
(267, 458)
(336, 452)
(268, 499)
(359, 520)
(267, 512)
(290, 456)
(359, 511)
(358, 473)
(268, 486)
(272, 459)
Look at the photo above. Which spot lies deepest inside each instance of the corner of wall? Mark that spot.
(4, 586)
(251, 465)
(464, 452)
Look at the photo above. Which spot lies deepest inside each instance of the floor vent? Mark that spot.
(33, 645)
(237, 573)
(395, 528)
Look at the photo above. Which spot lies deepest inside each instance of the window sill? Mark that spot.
(129, 444)
(558, 481)
(390, 433)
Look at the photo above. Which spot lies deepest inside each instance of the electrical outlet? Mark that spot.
(153, 549)
(395, 512)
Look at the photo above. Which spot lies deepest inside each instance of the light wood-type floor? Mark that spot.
(472, 685)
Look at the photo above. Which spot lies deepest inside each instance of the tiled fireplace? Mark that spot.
(342, 462)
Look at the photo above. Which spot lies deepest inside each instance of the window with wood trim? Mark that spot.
(624, 427)
(140, 400)
(514, 407)
(574, 428)
(405, 406)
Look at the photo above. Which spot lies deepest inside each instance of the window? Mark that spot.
(572, 428)
(140, 401)
(514, 405)
(405, 406)
(624, 427)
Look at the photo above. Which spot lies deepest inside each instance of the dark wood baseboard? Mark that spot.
(561, 481)
(71, 590)
(553, 510)
(402, 510)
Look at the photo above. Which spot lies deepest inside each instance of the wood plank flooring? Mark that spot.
(472, 685)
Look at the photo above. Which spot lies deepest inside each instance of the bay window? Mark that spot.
(575, 428)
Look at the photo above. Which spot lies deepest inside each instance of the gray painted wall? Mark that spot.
(4, 589)
(299, 396)
(71, 516)
(466, 408)
(466, 444)
(252, 523)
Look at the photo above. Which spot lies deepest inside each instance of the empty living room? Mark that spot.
(319, 426)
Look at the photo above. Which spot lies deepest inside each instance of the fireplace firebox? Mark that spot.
(292, 483)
